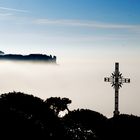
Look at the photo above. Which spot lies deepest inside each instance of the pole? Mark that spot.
(116, 111)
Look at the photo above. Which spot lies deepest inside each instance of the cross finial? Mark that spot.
(116, 80)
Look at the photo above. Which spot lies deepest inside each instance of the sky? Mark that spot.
(87, 36)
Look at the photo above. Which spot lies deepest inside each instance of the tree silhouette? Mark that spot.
(89, 122)
(24, 116)
(28, 116)
(122, 126)
(58, 104)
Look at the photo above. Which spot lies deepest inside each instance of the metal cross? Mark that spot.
(116, 81)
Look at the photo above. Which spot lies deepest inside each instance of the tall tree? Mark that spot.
(58, 104)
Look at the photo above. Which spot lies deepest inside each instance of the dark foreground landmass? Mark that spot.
(24, 116)
(30, 57)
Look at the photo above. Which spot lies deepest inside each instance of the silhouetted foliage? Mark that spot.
(89, 122)
(24, 116)
(123, 127)
(58, 104)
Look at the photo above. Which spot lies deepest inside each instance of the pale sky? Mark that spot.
(90, 33)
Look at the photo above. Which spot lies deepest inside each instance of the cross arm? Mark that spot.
(108, 79)
(126, 80)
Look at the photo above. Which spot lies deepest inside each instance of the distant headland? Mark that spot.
(30, 57)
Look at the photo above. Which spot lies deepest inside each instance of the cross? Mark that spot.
(116, 81)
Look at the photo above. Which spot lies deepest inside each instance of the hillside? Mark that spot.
(30, 57)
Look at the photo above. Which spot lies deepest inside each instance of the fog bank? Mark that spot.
(81, 82)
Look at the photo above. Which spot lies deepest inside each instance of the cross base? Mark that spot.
(116, 113)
